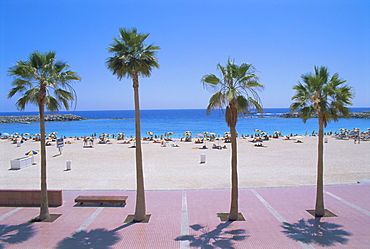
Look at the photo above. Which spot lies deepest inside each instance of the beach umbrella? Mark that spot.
(121, 135)
(167, 134)
(257, 130)
(204, 140)
(277, 133)
(150, 133)
(32, 152)
(219, 139)
(37, 136)
(53, 134)
(187, 133)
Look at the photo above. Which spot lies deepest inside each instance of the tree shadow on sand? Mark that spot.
(216, 238)
(15, 234)
(97, 238)
(315, 231)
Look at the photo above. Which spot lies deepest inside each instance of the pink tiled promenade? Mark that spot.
(274, 218)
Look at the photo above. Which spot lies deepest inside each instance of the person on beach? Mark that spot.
(358, 139)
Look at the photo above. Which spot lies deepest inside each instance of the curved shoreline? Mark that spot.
(281, 163)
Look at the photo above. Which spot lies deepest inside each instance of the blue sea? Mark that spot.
(179, 121)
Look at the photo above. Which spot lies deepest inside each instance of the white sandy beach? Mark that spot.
(112, 166)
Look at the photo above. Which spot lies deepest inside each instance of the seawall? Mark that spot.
(35, 118)
(363, 115)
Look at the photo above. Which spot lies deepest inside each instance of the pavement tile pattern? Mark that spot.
(274, 218)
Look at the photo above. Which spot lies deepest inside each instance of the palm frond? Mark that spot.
(211, 79)
(52, 103)
(236, 88)
(242, 103)
(230, 94)
(130, 55)
(321, 94)
(42, 71)
(216, 101)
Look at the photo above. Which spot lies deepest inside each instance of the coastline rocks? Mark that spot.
(363, 115)
(290, 115)
(35, 118)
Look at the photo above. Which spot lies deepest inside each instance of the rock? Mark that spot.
(35, 118)
(363, 115)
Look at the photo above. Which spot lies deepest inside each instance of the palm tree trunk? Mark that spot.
(140, 194)
(233, 215)
(319, 210)
(44, 202)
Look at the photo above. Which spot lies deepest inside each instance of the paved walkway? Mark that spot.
(275, 218)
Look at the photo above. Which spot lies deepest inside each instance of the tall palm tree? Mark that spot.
(131, 58)
(327, 97)
(235, 91)
(44, 82)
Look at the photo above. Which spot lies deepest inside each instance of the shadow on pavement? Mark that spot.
(315, 231)
(96, 238)
(219, 237)
(15, 234)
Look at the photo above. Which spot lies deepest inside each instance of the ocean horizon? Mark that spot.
(178, 121)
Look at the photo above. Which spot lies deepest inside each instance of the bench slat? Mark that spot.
(101, 199)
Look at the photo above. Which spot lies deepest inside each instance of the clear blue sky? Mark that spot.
(283, 39)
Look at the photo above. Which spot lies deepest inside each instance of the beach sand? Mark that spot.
(112, 166)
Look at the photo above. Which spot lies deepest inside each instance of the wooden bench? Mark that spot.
(101, 199)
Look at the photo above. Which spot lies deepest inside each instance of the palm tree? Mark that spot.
(327, 97)
(235, 90)
(44, 82)
(131, 58)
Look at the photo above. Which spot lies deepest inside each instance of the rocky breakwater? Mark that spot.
(363, 115)
(36, 118)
